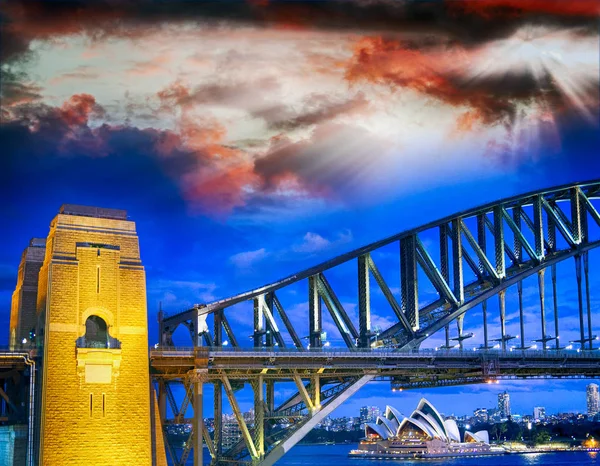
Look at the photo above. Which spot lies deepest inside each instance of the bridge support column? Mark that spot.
(408, 280)
(364, 302)
(521, 319)
(259, 321)
(314, 312)
(541, 288)
(485, 328)
(502, 303)
(499, 242)
(459, 325)
(270, 395)
(316, 392)
(218, 420)
(587, 299)
(198, 421)
(555, 305)
(162, 400)
(259, 419)
(580, 300)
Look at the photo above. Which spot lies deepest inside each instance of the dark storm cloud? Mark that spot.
(15, 90)
(41, 138)
(461, 20)
(57, 144)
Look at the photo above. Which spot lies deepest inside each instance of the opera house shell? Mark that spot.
(424, 434)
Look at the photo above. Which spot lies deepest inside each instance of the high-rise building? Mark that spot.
(539, 413)
(369, 413)
(481, 415)
(504, 404)
(364, 413)
(593, 400)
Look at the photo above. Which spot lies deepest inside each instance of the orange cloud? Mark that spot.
(78, 108)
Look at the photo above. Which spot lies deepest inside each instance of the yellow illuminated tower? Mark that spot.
(23, 315)
(95, 395)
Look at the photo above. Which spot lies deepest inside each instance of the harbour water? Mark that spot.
(337, 455)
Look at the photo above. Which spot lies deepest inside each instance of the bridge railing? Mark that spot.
(375, 352)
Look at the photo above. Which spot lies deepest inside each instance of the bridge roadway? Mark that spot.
(246, 363)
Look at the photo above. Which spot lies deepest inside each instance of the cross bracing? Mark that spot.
(446, 269)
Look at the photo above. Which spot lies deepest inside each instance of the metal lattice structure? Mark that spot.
(468, 259)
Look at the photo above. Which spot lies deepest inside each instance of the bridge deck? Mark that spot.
(239, 363)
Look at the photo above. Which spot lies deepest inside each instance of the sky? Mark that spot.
(250, 140)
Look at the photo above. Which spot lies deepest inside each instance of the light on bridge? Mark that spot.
(225, 343)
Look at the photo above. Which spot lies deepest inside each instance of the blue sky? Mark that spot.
(250, 144)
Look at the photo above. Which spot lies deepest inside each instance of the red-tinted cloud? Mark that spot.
(212, 177)
(500, 8)
(441, 75)
(26, 20)
(77, 110)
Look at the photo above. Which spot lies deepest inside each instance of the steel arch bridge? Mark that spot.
(467, 259)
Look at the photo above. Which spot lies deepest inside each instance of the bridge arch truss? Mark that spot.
(466, 259)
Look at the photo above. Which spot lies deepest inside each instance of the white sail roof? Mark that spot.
(420, 425)
(393, 415)
(483, 435)
(376, 429)
(479, 437)
(381, 420)
(452, 429)
(427, 408)
(430, 421)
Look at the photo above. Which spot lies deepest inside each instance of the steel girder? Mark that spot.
(546, 227)
(325, 378)
(537, 215)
